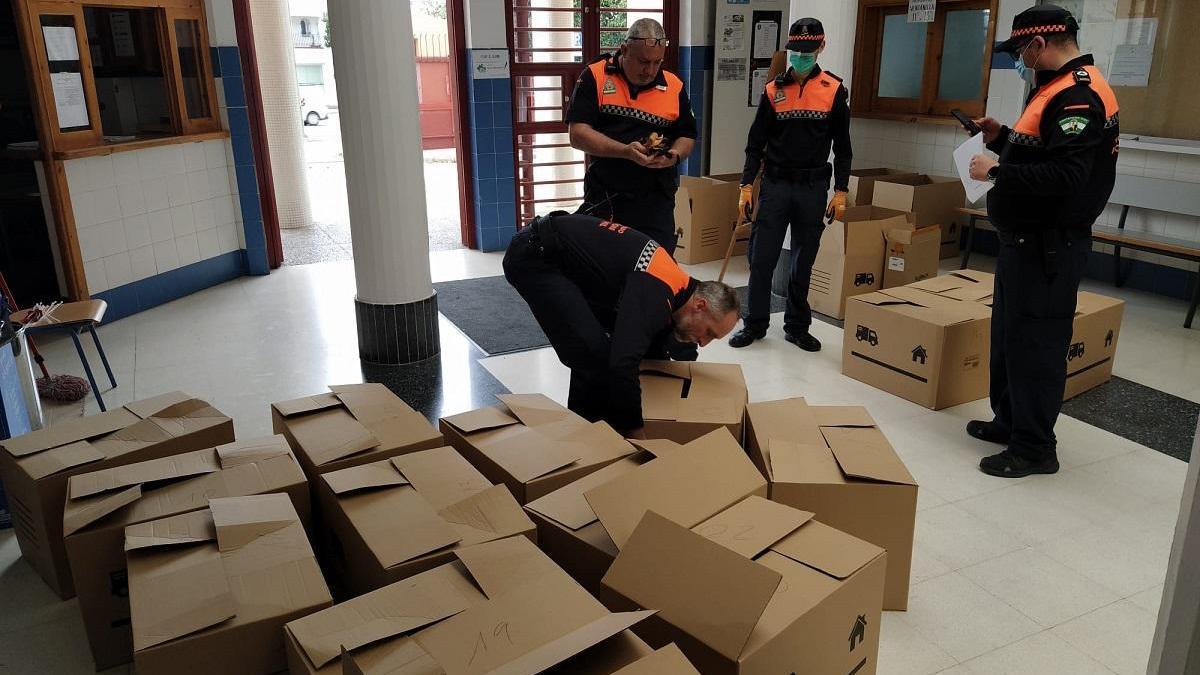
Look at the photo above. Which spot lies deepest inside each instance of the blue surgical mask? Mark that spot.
(1023, 71)
(802, 62)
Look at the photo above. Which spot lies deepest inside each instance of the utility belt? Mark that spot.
(812, 175)
(1049, 243)
(544, 236)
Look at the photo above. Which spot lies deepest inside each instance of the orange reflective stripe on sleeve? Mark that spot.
(813, 100)
(1027, 130)
(657, 105)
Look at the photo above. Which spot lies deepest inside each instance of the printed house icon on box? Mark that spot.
(919, 354)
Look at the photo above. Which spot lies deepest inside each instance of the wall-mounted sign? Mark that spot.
(922, 11)
(489, 64)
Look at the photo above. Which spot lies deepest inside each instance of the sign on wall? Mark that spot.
(489, 64)
(922, 11)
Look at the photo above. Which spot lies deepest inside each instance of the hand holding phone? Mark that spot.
(965, 121)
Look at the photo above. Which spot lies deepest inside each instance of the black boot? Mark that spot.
(804, 341)
(987, 431)
(1009, 464)
(747, 336)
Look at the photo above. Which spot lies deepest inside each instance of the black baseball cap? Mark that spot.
(1038, 20)
(805, 35)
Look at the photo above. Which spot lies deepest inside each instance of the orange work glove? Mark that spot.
(836, 208)
(746, 200)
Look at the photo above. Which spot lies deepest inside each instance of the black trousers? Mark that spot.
(783, 203)
(577, 334)
(651, 212)
(1033, 310)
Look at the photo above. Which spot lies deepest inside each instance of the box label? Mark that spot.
(896, 264)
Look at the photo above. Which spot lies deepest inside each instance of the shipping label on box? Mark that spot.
(912, 255)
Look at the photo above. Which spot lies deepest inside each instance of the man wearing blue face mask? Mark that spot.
(802, 114)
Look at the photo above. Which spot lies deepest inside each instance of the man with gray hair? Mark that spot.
(634, 121)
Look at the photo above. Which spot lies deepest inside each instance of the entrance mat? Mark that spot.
(496, 318)
(1142, 414)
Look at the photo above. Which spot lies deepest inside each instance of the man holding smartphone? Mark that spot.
(1056, 170)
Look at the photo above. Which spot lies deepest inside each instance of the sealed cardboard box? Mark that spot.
(101, 504)
(912, 255)
(1093, 342)
(835, 462)
(688, 483)
(502, 606)
(352, 424)
(759, 588)
(684, 400)
(933, 200)
(862, 183)
(388, 520)
(532, 444)
(211, 590)
(850, 259)
(705, 215)
(927, 342)
(35, 467)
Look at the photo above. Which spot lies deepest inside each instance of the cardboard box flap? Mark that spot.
(708, 407)
(659, 447)
(567, 505)
(69, 431)
(880, 299)
(792, 419)
(831, 551)
(83, 512)
(953, 280)
(528, 454)
(797, 463)
(1087, 303)
(486, 515)
(61, 458)
(505, 565)
(842, 416)
(155, 405)
(676, 369)
(479, 420)
(558, 650)
(442, 476)
(399, 525)
(978, 293)
(307, 404)
(252, 451)
(190, 528)
(939, 310)
(171, 598)
(391, 611)
(400, 657)
(165, 468)
(752, 525)
(666, 661)
(330, 437)
(661, 396)
(596, 442)
(712, 593)
(687, 487)
(241, 520)
(384, 413)
(535, 409)
(865, 453)
(364, 476)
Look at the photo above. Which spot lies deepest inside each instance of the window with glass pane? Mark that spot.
(191, 68)
(902, 57)
(547, 32)
(962, 54)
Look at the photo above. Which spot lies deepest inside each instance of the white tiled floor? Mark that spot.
(1050, 574)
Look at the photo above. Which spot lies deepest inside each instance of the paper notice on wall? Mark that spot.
(766, 39)
(122, 34)
(1134, 52)
(757, 84)
(489, 64)
(733, 33)
(60, 43)
(922, 11)
(69, 100)
(962, 161)
(731, 69)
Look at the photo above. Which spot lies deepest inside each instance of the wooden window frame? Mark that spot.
(868, 47)
(186, 125)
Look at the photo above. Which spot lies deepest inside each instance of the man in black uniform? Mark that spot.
(619, 102)
(1056, 170)
(802, 113)
(608, 296)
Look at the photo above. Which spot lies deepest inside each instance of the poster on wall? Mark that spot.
(758, 83)
(731, 69)
(733, 33)
(489, 64)
(922, 11)
(60, 43)
(766, 39)
(69, 100)
(1133, 53)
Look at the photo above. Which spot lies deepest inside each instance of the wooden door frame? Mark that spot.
(461, 99)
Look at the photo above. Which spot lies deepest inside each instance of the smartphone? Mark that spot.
(967, 122)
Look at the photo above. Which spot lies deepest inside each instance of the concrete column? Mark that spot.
(281, 109)
(381, 140)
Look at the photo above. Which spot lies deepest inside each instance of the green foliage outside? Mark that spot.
(325, 22)
(609, 41)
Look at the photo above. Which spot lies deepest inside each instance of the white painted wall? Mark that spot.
(485, 24)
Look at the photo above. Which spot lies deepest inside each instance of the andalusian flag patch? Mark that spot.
(609, 87)
(1073, 125)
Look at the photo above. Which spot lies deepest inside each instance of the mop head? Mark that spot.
(65, 388)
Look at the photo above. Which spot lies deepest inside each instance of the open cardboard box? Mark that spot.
(850, 259)
(705, 215)
(911, 255)
(101, 504)
(391, 519)
(35, 467)
(933, 200)
(834, 461)
(501, 607)
(862, 183)
(684, 400)
(532, 444)
(212, 589)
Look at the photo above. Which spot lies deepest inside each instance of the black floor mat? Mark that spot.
(1142, 414)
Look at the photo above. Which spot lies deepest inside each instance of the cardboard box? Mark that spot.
(684, 400)
(850, 259)
(1093, 342)
(862, 183)
(352, 424)
(35, 467)
(705, 215)
(532, 444)
(212, 589)
(101, 504)
(927, 342)
(391, 519)
(759, 588)
(933, 200)
(912, 255)
(502, 606)
(835, 462)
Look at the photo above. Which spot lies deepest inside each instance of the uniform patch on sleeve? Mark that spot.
(1073, 125)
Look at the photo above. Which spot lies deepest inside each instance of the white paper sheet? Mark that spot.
(766, 39)
(69, 100)
(962, 161)
(733, 33)
(60, 43)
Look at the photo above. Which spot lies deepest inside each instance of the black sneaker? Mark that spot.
(804, 341)
(1008, 464)
(747, 336)
(987, 431)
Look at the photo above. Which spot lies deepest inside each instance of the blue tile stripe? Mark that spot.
(162, 288)
(243, 160)
(695, 64)
(492, 159)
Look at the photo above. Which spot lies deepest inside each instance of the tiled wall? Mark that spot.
(235, 117)
(492, 159)
(695, 69)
